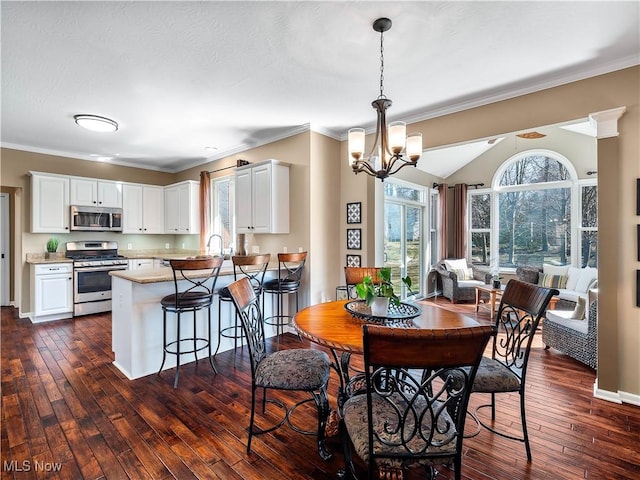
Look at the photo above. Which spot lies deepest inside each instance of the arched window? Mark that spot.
(536, 212)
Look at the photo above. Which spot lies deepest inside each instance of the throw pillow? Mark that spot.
(574, 275)
(586, 277)
(555, 269)
(552, 281)
(452, 265)
(463, 273)
(578, 312)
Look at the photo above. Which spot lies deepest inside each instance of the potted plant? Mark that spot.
(52, 247)
(377, 296)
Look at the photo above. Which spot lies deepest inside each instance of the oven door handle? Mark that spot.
(104, 268)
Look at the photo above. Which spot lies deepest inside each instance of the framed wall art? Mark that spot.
(354, 238)
(637, 288)
(354, 212)
(638, 196)
(353, 260)
(638, 241)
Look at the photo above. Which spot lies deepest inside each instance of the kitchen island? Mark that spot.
(137, 318)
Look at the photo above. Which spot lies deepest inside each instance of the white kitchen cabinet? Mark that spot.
(49, 203)
(51, 291)
(143, 209)
(182, 208)
(94, 192)
(262, 198)
(141, 264)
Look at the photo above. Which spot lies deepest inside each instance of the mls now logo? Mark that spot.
(28, 465)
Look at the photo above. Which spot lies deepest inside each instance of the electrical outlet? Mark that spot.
(255, 249)
(284, 249)
(166, 245)
(300, 250)
(129, 246)
(183, 246)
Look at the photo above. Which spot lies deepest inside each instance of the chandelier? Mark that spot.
(392, 148)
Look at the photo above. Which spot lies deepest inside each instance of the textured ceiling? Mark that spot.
(181, 76)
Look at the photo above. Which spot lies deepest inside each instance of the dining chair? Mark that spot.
(404, 418)
(197, 295)
(299, 369)
(522, 307)
(355, 275)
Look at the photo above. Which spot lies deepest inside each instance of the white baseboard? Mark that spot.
(630, 398)
(615, 397)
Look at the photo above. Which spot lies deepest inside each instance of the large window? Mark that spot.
(480, 227)
(537, 212)
(223, 209)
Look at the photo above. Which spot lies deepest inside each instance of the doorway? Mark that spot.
(5, 248)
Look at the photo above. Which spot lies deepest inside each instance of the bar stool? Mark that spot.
(252, 267)
(290, 267)
(197, 296)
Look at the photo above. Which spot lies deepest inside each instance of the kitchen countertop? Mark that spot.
(39, 258)
(165, 274)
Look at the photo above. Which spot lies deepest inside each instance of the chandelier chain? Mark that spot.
(381, 65)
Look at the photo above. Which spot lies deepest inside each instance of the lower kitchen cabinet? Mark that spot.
(51, 291)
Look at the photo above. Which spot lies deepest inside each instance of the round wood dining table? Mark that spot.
(329, 324)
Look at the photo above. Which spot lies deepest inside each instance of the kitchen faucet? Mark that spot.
(209, 243)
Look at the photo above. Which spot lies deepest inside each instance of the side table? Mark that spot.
(495, 294)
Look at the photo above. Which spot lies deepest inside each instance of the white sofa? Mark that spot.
(571, 282)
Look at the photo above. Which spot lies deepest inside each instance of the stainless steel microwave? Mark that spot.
(96, 219)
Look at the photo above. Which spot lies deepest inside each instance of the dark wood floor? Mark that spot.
(67, 412)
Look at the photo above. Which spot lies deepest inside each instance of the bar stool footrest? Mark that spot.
(205, 342)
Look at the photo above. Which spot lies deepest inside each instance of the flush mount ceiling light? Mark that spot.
(96, 123)
(392, 148)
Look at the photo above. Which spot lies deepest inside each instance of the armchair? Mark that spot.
(577, 338)
(458, 289)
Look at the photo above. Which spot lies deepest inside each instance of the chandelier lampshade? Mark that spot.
(392, 148)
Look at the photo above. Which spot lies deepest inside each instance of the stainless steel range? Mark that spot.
(92, 262)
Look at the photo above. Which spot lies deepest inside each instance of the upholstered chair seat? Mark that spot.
(389, 408)
(297, 369)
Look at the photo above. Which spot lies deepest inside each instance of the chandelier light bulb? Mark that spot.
(356, 144)
(397, 136)
(414, 146)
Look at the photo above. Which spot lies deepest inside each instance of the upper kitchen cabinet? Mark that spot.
(49, 203)
(142, 208)
(97, 193)
(262, 198)
(182, 209)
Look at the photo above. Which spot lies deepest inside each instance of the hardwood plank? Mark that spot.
(63, 402)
